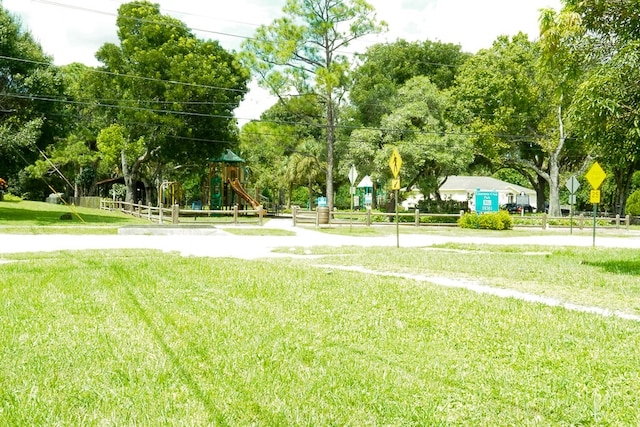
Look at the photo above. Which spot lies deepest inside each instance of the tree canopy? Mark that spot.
(29, 86)
(386, 67)
(176, 94)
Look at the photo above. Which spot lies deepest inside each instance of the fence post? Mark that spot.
(294, 214)
(544, 221)
(260, 214)
(175, 214)
(617, 221)
(581, 221)
(235, 214)
(417, 217)
(627, 222)
(368, 216)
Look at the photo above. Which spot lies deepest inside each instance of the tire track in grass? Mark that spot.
(490, 290)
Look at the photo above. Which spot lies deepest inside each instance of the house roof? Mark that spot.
(472, 183)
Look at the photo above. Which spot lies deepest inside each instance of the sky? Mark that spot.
(73, 30)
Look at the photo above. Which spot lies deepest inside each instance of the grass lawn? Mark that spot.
(607, 278)
(38, 218)
(149, 338)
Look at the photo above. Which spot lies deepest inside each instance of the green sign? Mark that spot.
(486, 201)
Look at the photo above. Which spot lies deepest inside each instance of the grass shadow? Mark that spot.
(622, 267)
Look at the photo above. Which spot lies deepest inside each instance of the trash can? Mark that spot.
(323, 214)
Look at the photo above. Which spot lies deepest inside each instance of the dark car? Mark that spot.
(514, 208)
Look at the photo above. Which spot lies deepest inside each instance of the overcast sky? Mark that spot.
(73, 30)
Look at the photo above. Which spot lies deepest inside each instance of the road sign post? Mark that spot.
(572, 185)
(595, 176)
(353, 175)
(395, 162)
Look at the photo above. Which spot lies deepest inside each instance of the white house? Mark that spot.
(463, 188)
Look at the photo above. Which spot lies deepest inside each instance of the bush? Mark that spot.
(488, 221)
(633, 204)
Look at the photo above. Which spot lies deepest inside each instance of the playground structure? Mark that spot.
(225, 180)
(170, 193)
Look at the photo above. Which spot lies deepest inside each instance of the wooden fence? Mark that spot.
(580, 221)
(175, 215)
(321, 217)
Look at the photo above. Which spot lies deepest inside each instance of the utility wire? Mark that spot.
(96, 70)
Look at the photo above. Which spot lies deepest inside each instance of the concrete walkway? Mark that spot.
(216, 242)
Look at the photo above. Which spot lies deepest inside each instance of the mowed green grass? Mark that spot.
(607, 278)
(150, 338)
(38, 217)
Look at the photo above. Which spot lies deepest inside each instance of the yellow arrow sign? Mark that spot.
(595, 176)
(395, 162)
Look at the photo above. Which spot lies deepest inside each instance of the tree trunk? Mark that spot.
(330, 144)
(128, 172)
(623, 186)
(554, 169)
(539, 184)
(554, 185)
(148, 191)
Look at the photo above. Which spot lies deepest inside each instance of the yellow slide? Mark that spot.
(237, 187)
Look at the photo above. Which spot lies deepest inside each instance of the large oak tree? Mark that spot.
(175, 93)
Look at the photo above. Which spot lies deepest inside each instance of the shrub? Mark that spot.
(488, 221)
(633, 204)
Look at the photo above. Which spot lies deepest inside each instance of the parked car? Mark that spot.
(514, 208)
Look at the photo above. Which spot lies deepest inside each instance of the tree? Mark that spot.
(176, 93)
(606, 110)
(386, 67)
(275, 146)
(606, 113)
(620, 19)
(503, 106)
(300, 54)
(430, 145)
(562, 64)
(29, 89)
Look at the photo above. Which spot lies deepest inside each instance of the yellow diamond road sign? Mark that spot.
(595, 176)
(395, 162)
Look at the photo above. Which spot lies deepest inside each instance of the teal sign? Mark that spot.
(486, 201)
(322, 201)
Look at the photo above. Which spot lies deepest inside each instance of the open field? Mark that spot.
(151, 338)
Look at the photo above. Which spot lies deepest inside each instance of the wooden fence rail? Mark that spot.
(321, 217)
(175, 215)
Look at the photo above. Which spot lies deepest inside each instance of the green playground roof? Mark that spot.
(227, 156)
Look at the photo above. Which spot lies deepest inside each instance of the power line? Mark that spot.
(86, 9)
(278, 122)
(133, 76)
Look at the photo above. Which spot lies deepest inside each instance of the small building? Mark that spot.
(463, 188)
